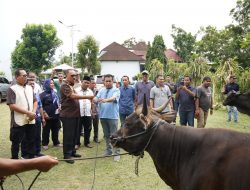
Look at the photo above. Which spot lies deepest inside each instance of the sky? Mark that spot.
(107, 21)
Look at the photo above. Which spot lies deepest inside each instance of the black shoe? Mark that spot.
(96, 141)
(76, 155)
(88, 146)
(70, 161)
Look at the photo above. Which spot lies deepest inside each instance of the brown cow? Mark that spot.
(188, 158)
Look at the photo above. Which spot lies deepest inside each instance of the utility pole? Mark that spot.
(72, 40)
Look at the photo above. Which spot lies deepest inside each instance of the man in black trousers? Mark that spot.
(95, 116)
(85, 121)
(70, 114)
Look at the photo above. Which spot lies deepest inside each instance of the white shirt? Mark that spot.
(85, 104)
(37, 89)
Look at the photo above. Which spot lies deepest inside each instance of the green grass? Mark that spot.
(109, 174)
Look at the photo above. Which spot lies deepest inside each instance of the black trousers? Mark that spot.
(52, 125)
(70, 127)
(38, 131)
(95, 121)
(37, 139)
(85, 122)
(24, 133)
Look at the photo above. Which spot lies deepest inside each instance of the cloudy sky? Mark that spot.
(109, 20)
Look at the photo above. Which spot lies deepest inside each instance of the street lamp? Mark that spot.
(72, 39)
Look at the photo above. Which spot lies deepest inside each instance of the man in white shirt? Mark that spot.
(85, 121)
(37, 87)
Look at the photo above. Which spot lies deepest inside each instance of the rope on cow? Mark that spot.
(142, 152)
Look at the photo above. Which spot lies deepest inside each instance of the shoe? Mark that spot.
(107, 153)
(58, 145)
(76, 155)
(24, 157)
(235, 121)
(88, 146)
(77, 147)
(117, 158)
(45, 147)
(229, 120)
(69, 161)
(96, 141)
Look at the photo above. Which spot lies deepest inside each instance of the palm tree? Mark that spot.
(155, 68)
(198, 68)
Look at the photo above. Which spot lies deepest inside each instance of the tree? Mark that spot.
(155, 68)
(176, 70)
(148, 55)
(198, 68)
(220, 45)
(157, 51)
(184, 43)
(87, 55)
(241, 14)
(36, 49)
(129, 43)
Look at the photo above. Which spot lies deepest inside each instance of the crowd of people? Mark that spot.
(77, 106)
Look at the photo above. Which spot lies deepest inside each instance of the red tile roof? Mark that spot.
(117, 52)
(140, 53)
(171, 54)
(141, 46)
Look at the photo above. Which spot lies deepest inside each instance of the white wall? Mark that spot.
(120, 68)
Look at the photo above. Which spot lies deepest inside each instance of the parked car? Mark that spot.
(99, 81)
(4, 85)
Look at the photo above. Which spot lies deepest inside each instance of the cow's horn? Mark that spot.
(162, 107)
(145, 106)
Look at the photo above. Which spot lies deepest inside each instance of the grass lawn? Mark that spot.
(108, 174)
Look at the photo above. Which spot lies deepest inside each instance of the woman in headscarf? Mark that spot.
(50, 102)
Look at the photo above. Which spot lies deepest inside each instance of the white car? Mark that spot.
(99, 81)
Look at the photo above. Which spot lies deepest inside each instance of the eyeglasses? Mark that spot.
(73, 76)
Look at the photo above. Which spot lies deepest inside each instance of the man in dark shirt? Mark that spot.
(203, 102)
(185, 95)
(127, 98)
(232, 86)
(70, 114)
(143, 87)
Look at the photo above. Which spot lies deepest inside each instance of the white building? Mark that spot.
(117, 60)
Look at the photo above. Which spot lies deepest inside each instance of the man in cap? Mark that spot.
(143, 87)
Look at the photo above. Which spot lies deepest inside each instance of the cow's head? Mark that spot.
(142, 120)
(231, 98)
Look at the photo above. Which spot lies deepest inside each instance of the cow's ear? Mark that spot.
(145, 106)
